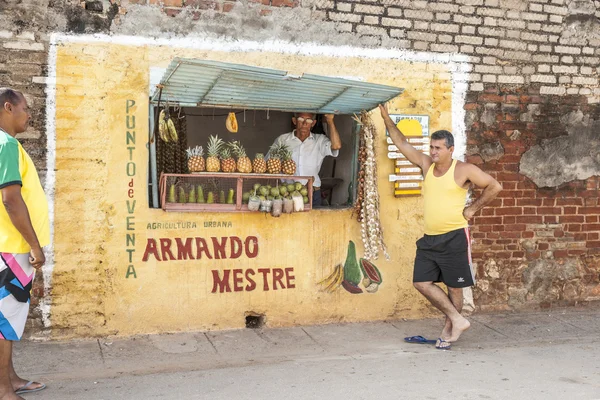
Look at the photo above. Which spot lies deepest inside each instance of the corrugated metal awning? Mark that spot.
(202, 83)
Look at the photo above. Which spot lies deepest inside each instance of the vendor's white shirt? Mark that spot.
(308, 155)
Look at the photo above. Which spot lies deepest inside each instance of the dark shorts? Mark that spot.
(445, 258)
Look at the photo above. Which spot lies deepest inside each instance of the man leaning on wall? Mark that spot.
(444, 252)
(24, 230)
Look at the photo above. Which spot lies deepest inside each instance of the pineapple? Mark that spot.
(213, 149)
(228, 163)
(288, 166)
(244, 165)
(274, 162)
(196, 162)
(259, 165)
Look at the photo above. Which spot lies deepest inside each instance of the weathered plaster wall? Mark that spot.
(532, 77)
(92, 292)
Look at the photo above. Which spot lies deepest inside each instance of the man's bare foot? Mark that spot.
(458, 327)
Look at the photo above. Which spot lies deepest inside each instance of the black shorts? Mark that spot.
(445, 258)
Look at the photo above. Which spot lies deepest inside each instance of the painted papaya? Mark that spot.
(370, 272)
(351, 287)
(352, 272)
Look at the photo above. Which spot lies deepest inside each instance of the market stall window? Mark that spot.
(226, 136)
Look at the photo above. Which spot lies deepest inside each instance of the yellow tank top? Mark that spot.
(444, 202)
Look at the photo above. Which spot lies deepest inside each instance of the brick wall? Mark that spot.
(533, 246)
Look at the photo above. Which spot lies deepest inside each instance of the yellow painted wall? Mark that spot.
(91, 294)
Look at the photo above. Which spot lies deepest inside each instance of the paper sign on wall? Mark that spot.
(408, 178)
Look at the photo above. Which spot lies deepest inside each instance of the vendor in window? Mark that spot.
(309, 149)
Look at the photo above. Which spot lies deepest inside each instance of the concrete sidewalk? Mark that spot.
(79, 369)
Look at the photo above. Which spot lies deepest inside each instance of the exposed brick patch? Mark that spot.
(533, 226)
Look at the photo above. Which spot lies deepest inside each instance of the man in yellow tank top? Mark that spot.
(444, 252)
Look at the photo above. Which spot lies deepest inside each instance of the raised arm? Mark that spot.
(491, 189)
(334, 136)
(413, 155)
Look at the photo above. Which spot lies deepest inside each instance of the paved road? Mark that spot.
(504, 356)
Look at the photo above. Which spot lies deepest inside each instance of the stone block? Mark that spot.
(512, 23)
(490, 51)
(422, 36)
(566, 60)
(543, 78)
(557, 19)
(371, 20)
(476, 87)
(344, 17)
(468, 39)
(536, 7)
(420, 46)
(545, 58)
(564, 69)
(485, 31)
(490, 21)
(467, 19)
(344, 7)
(396, 22)
(418, 14)
(511, 79)
(534, 16)
(443, 7)
(550, 9)
(371, 30)
(534, 37)
(513, 45)
(24, 46)
(489, 69)
(553, 90)
(447, 28)
(584, 80)
(489, 60)
(491, 12)
(563, 79)
(544, 68)
(444, 48)
(398, 33)
(468, 30)
(394, 12)
(343, 27)
(567, 50)
(421, 25)
(491, 42)
(551, 28)
(368, 9)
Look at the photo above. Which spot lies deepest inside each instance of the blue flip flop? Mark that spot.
(23, 389)
(419, 340)
(439, 346)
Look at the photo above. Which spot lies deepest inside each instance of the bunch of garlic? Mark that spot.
(371, 229)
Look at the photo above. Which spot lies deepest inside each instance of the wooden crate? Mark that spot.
(217, 181)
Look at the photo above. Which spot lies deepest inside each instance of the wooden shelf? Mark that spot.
(222, 181)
